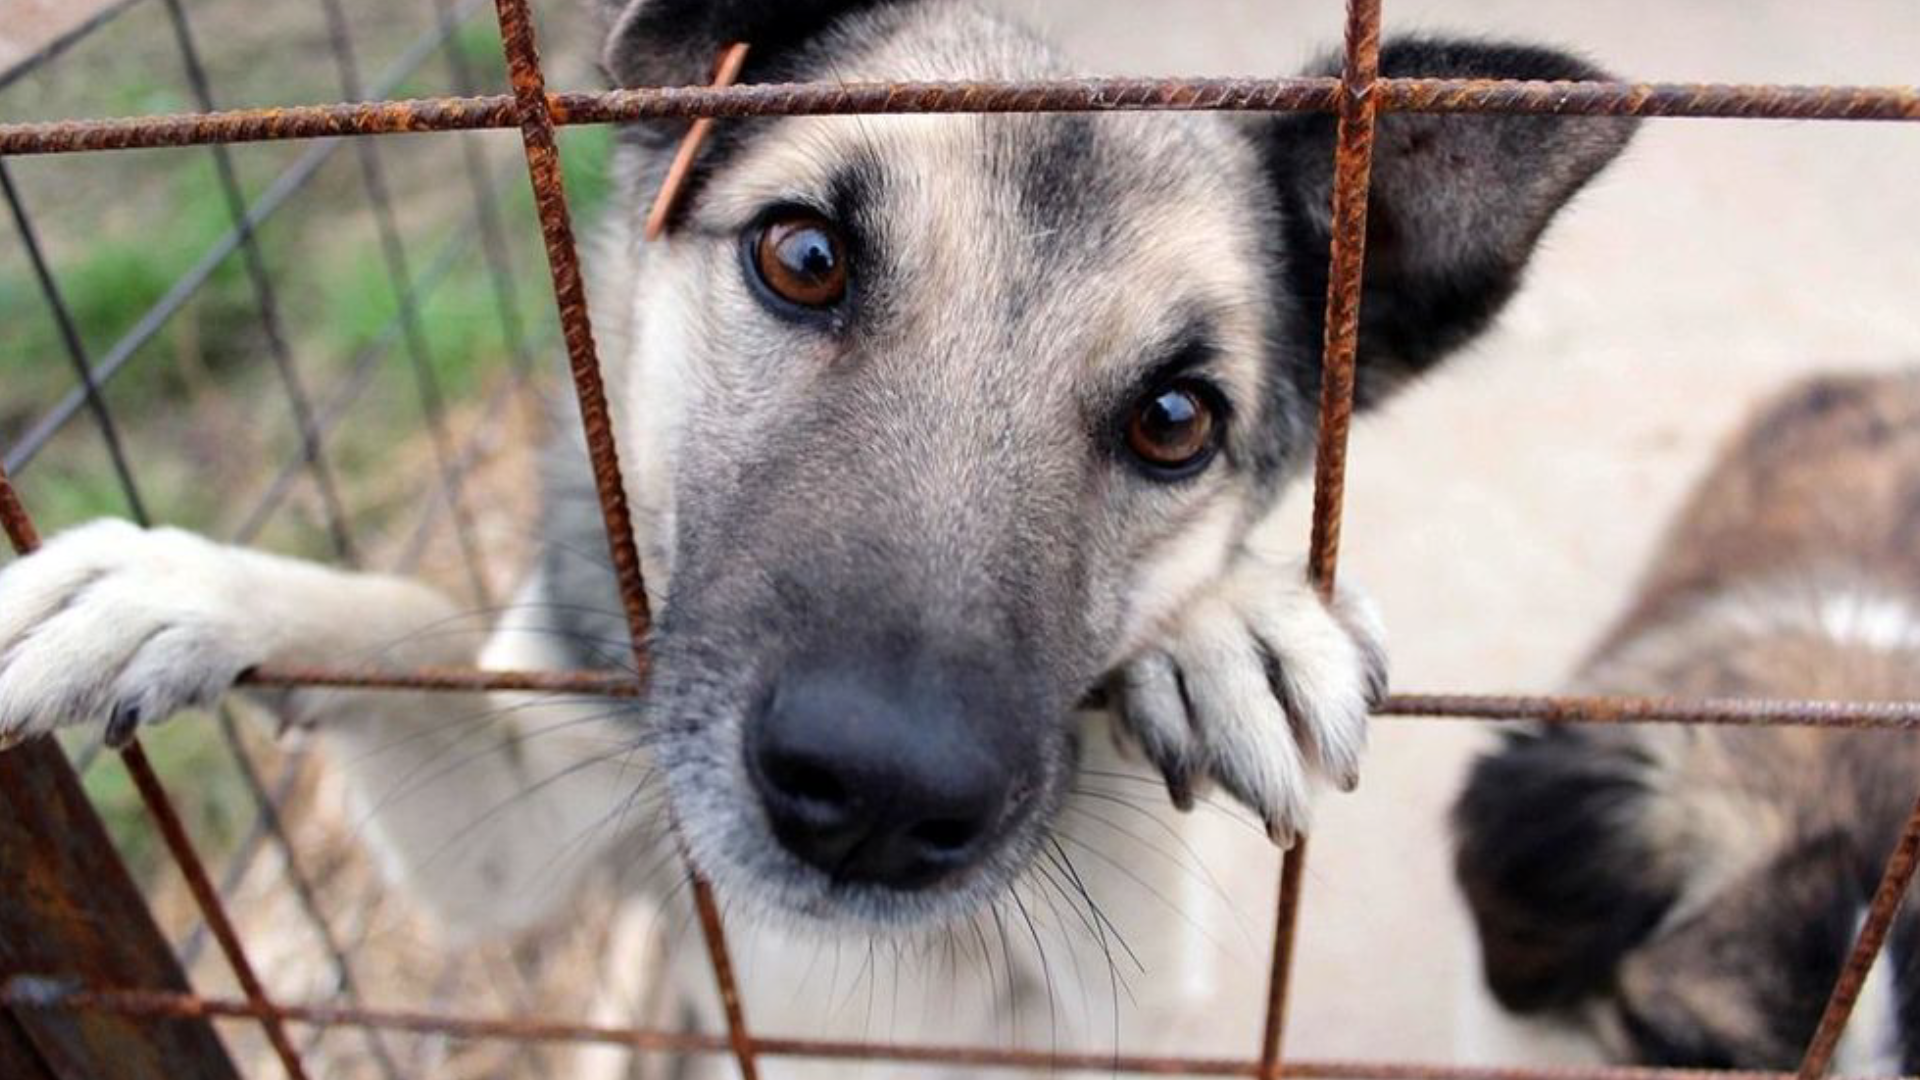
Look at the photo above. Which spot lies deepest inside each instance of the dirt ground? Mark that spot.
(1498, 514)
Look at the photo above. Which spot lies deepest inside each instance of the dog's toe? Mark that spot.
(115, 622)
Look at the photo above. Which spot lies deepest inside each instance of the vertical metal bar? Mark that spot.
(70, 338)
(83, 916)
(265, 301)
(174, 832)
(549, 193)
(419, 349)
(1867, 947)
(1352, 175)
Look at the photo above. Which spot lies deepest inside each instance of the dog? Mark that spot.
(1688, 895)
(932, 426)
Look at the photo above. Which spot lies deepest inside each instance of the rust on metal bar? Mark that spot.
(535, 113)
(174, 832)
(1893, 103)
(535, 119)
(1867, 947)
(1719, 100)
(726, 72)
(30, 993)
(1555, 709)
(1722, 712)
(13, 518)
(72, 911)
(1352, 178)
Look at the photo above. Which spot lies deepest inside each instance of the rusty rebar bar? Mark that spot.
(1721, 100)
(174, 832)
(1352, 179)
(1602, 709)
(534, 110)
(38, 993)
(1867, 947)
(1538, 708)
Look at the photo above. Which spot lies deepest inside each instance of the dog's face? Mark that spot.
(937, 417)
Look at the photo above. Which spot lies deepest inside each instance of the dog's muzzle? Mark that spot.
(882, 779)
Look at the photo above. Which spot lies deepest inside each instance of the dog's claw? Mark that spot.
(1179, 789)
(1282, 834)
(122, 724)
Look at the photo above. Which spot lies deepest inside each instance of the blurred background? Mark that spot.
(1498, 514)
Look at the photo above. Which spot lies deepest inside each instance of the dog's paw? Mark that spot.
(1259, 687)
(111, 620)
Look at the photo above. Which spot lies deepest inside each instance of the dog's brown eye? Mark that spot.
(802, 260)
(1173, 429)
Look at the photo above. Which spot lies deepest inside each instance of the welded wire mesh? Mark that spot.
(1356, 97)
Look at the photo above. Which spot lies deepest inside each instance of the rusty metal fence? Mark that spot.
(147, 1016)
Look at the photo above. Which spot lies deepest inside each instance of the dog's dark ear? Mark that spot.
(675, 42)
(1458, 203)
(1559, 852)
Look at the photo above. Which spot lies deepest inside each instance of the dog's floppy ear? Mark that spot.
(1457, 205)
(1561, 854)
(674, 42)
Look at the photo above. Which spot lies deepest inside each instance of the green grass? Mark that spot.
(178, 401)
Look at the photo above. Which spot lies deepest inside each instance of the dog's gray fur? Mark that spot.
(1690, 895)
(930, 489)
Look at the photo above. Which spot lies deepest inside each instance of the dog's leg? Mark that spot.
(485, 805)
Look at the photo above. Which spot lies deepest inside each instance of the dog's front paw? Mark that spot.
(1259, 687)
(110, 620)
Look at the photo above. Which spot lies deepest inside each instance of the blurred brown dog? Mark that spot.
(1690, 894)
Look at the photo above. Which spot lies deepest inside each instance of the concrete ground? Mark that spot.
(1499, 513)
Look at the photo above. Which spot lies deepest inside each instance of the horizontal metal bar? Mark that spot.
(36, 993)
(594, 683)
(1728, 712)
(1729, 101)
(1559, 709)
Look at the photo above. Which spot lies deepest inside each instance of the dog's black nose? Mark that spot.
(891, 788)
